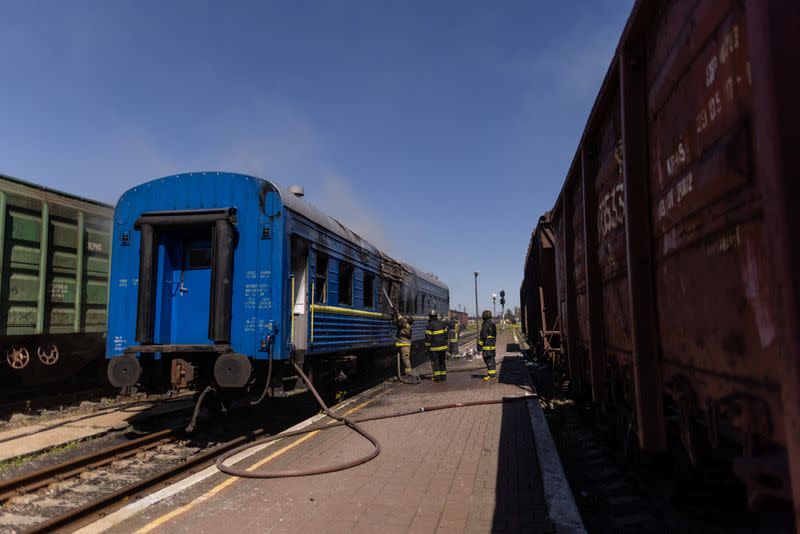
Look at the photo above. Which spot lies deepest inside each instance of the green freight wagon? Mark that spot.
(53, 284)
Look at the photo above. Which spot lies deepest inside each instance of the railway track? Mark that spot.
(60, 495)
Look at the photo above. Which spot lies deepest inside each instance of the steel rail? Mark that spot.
(38, 479)
(111, 499)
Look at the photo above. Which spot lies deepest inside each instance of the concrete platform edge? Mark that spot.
(561, 505)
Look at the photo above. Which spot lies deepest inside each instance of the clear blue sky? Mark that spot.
(440, 130)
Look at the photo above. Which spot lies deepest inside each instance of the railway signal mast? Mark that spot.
(502, 309)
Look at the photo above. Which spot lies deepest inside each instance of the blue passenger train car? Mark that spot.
(215, 273)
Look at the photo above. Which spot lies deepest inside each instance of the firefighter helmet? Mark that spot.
(432, 314)
(486, 314)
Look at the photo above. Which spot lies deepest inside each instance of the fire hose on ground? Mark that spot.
(353, 423)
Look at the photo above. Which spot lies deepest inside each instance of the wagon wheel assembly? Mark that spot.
(18, 357)
(48, 354)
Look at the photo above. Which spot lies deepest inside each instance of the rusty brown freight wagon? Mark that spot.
(537, 294)
(53, 284)
(678, 258)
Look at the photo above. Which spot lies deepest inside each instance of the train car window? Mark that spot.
(197, 257)
(321, 284)
(369, 290)
(345, 284)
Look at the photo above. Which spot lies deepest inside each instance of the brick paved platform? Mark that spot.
(462, 470)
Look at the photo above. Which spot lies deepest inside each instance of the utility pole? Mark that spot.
(476, 307)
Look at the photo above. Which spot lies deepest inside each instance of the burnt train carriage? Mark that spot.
(676, 231)
(54, 261)
(215, 273)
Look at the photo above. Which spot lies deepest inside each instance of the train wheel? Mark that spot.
(48, 354)
(18, 357)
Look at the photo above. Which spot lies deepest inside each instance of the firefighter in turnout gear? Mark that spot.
(452, 336)
(402, 339)
(436, 342)
(486, 344)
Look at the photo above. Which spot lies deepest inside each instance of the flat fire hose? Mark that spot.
(340, 421)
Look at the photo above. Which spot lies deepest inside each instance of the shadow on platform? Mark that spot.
(520, 504)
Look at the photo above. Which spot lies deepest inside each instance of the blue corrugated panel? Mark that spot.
(334, 332)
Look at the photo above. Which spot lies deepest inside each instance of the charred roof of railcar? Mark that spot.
(314, 214)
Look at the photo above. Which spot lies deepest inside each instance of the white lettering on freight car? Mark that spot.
(675, 195)
(713, 108)
(123, 282)
(676, 160)
(611, 210)
(724, 243)
(119, 343)
(709, 112)
(684, 187)
(670, 241)
(730, 42)
(58, 291)
(702, 120)
(94, 247)
(728, 87)
(711, 71)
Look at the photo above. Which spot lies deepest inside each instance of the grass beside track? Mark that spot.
(16, 461)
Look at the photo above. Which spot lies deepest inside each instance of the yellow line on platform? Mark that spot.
(221, 486)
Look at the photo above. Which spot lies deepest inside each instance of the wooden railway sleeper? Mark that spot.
(157, 479)
(38, 479)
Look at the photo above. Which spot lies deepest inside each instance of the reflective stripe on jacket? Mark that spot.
(402, 335)
(486, 340)
(452, 331)
(436, 335)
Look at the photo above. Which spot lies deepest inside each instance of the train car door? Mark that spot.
(185, 274)
(186, 287)
(299, 269)
(193, 295)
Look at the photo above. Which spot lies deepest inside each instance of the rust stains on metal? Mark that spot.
(676, 235)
